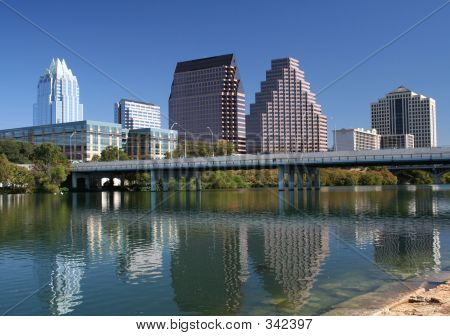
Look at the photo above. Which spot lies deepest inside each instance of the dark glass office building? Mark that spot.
(207, 101)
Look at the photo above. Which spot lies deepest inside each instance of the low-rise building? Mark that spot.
(150, 143)
(79, 140)
(397, 141)
(355, 139)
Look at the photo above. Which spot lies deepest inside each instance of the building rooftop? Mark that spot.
(151, 129)
(66, 124)
(401, 89)
(136, 101)
(204, 63)
(358, 129)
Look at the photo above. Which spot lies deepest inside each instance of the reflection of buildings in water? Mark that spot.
(143, 258)
(65, 284)
(209, 267)
(416, 248)
(423, 202)
(243, 252)
(364, 234)
(9, 201)
(111, 201)
(377, 201)
(356, 200)
(293, 255)
(104, 237)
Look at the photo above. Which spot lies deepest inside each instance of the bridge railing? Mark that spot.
(355, 158)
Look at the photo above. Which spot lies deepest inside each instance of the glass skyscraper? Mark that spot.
(58, 96)
(208, 101)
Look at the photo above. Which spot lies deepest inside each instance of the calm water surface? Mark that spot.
(216, 252)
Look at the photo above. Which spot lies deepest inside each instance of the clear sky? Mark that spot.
(138, 43)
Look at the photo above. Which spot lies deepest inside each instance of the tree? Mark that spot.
(446, 178)
(111, 153)
(22, 179)
(95, 157)
(5, 172)
(202, 149)
(15, 178)
(16, 151)
(50, 167)
(371, 178)
(140, 181)
(415, 177)
(223, 147)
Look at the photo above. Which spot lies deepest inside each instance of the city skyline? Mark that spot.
(151, 78)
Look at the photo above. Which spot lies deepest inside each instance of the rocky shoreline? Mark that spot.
(422, 302)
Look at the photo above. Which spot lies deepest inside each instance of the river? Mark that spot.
(243, 252)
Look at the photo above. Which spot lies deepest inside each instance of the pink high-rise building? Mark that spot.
(285, 116)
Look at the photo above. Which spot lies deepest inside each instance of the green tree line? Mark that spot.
(49, 167)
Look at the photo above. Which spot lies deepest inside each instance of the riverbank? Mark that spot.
(419, 296)
(422, 302)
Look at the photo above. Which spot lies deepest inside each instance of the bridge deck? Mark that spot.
(397, 157)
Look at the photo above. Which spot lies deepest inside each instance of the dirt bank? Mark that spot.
(422, 302)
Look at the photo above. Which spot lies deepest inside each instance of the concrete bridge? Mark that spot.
(297, 166)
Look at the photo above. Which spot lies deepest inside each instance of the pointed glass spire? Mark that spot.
(58, 96)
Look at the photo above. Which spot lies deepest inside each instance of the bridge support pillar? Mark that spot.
(299, 179)
(309, 180)
(281, 171)
(111, 182)
(317, 178)
(74, 181)
(291, 178)
(198, 181)
(187, 181)
(436, 178)
(165, 181)
(177, 177)
(153, 178)
(87, 182)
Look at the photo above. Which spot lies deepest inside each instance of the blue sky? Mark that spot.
(139, 42)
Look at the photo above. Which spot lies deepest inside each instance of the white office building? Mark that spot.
(58, 96)
(405, 112)
(356, 139)
(133, 114)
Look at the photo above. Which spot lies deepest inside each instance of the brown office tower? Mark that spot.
(207, 101)
(285, 116)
